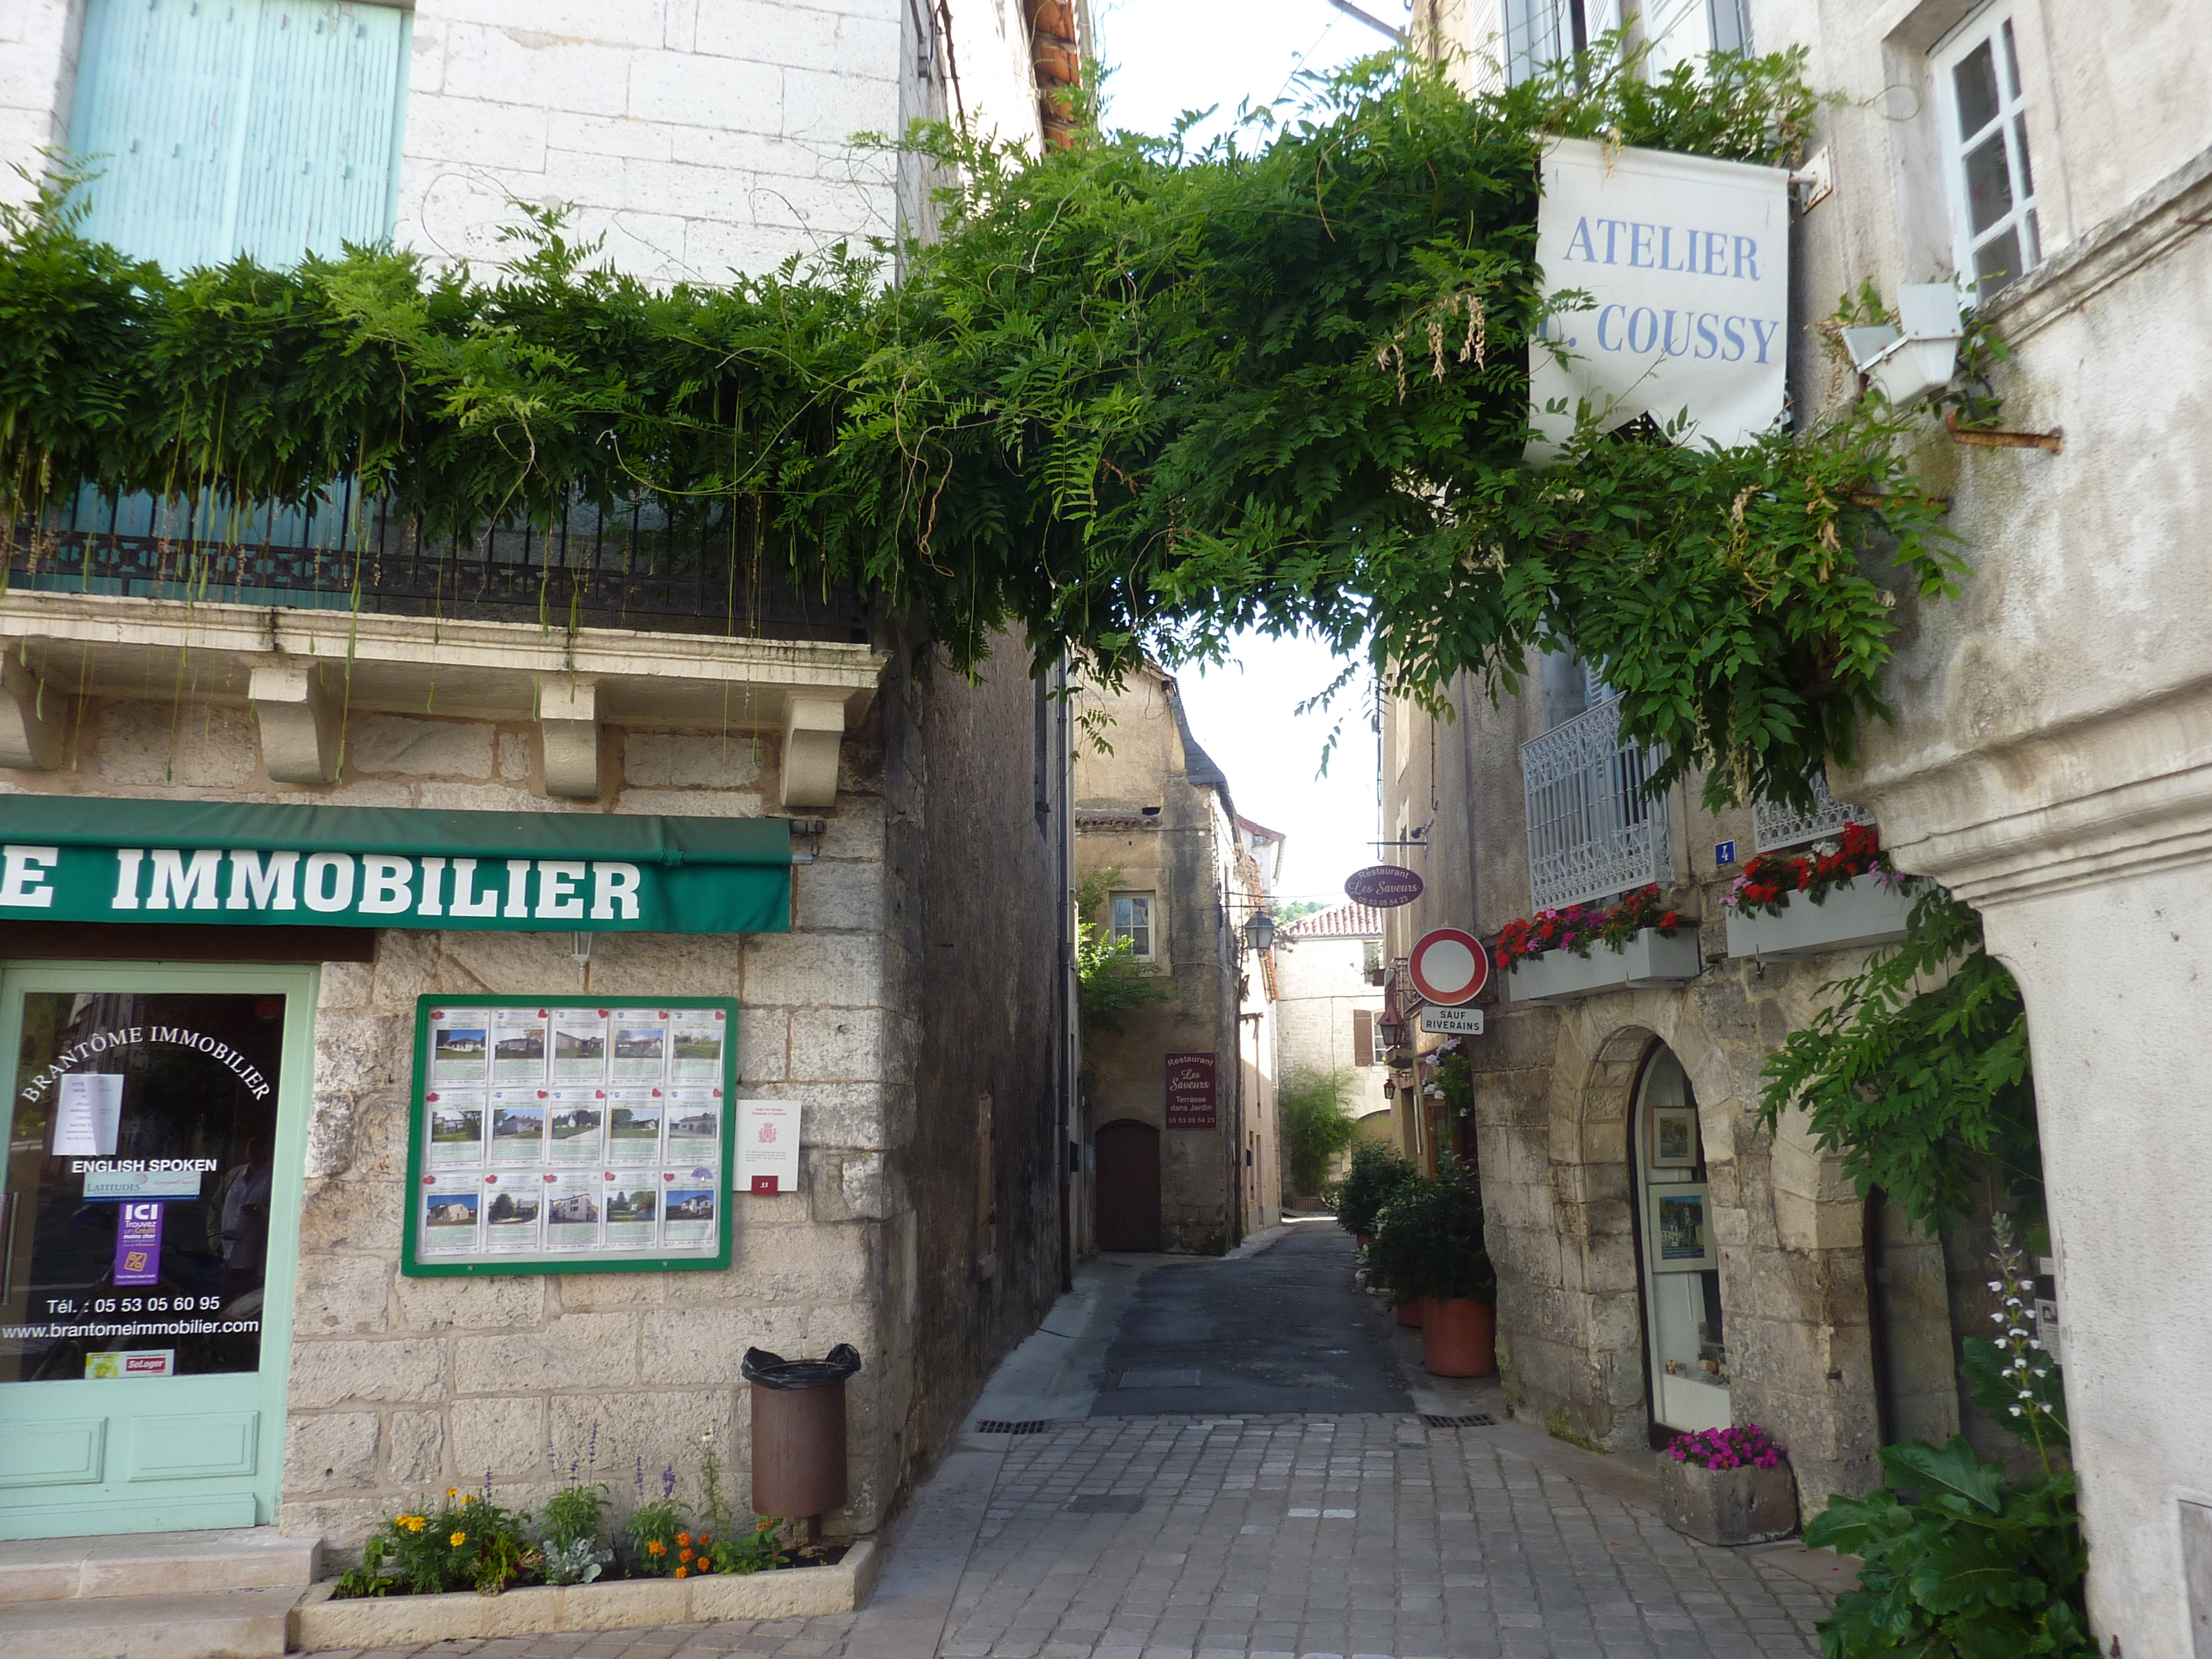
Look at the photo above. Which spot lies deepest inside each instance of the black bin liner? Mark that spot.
(772, 1371)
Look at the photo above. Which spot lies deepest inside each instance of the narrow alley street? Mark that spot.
(1196, 1459)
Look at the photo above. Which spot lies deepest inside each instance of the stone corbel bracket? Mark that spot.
(813, 729)
(568, 720)
(302, 721)
(34, 717)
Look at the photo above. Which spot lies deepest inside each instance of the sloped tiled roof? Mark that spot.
(1339, 921)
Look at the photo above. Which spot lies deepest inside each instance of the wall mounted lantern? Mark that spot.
(1916, 355)
(1259, 931)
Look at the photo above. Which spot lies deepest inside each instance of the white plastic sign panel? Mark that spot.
(90, 1116)
(1687, 263)
(768, 1147)
(1452, 1022)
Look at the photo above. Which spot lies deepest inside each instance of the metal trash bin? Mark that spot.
(798, 1431)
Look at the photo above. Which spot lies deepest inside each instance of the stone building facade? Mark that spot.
(2046, 762)
(926, 1040)
(1331, 996)
(1553, 1127)
(1153, 814)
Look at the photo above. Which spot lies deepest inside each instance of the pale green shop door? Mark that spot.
(156, 1129)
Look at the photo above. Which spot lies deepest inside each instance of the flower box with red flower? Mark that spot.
(1857, 913)
(1647, 958)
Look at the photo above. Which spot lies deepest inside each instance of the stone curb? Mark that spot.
(319, 1624)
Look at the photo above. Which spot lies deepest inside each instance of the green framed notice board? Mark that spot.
(565, 1134)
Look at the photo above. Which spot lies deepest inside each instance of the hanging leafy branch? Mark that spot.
(1917, 1076)
(1137, 398)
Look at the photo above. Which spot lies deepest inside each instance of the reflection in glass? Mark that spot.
(178, 1292)
(1989, 183)
(1975, 80)
(1997, 262)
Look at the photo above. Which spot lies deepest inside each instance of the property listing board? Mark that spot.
(565, 1135)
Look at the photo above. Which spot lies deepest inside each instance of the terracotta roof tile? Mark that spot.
(1339, 921)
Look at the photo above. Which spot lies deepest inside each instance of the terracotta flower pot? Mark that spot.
(1728, 1506)
(1361, 1239)
(1460, 1338)
(1409, 1313)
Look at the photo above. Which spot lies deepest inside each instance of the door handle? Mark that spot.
(7, 1246)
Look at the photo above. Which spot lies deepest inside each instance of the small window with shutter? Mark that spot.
(262, 127)
(1363, 1036)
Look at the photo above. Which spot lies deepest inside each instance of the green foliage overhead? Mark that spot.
(1916, 1075)
(1315, 1128)
(1378, 1170)
(1137, 398)
(1977, 1567)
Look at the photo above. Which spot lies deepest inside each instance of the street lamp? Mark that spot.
(1259, 931)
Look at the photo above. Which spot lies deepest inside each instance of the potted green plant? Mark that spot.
(1428, 1246)
(1378, 1170)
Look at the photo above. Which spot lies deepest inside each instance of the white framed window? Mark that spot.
(1132, 921)
(1983, 131)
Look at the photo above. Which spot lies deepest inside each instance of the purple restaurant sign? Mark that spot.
(1383, 886)
(138, 1243)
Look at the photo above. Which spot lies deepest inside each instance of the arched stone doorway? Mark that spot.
(1678, 1249)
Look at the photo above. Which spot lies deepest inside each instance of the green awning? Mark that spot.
(72, 857)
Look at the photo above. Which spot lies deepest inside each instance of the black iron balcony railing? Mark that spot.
(636, 567)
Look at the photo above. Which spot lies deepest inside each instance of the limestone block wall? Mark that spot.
(1555, 1095)
(402, 1385)
(699, 139)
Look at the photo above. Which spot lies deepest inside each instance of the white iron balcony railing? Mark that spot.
(1592, 830)
(1775, 824)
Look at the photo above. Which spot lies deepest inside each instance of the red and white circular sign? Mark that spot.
(1448, 966)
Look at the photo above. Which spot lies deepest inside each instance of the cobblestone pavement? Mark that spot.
(1215, 1533)
(1149, 1537)
(1297, 1538)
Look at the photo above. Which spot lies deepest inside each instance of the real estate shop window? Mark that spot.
(1983, 125)
(1132, 921)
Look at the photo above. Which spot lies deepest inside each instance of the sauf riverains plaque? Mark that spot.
(1190, 1092)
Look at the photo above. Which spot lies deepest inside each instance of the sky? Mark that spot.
(1166, 57)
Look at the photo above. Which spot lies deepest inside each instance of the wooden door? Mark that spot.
(1128, 1186)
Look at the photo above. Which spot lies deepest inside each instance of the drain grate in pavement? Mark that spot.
(999, 1426)
(1187, 1379)
(1105, 1503)
(1482, 1421)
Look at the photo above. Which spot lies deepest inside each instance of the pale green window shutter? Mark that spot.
(319, 130)
(221, 127)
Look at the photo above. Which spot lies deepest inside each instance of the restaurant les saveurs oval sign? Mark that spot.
(1383, 886)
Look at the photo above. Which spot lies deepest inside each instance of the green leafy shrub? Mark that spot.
(467, 1543)
(1915, 1074)
(1315, 1126)
(1110, 981)
(1975, 1567)
(1378, 1170)
(1429, 1239)
(571, 1540)
(1137, 398)
(669, 1541)
(1957, 1561)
